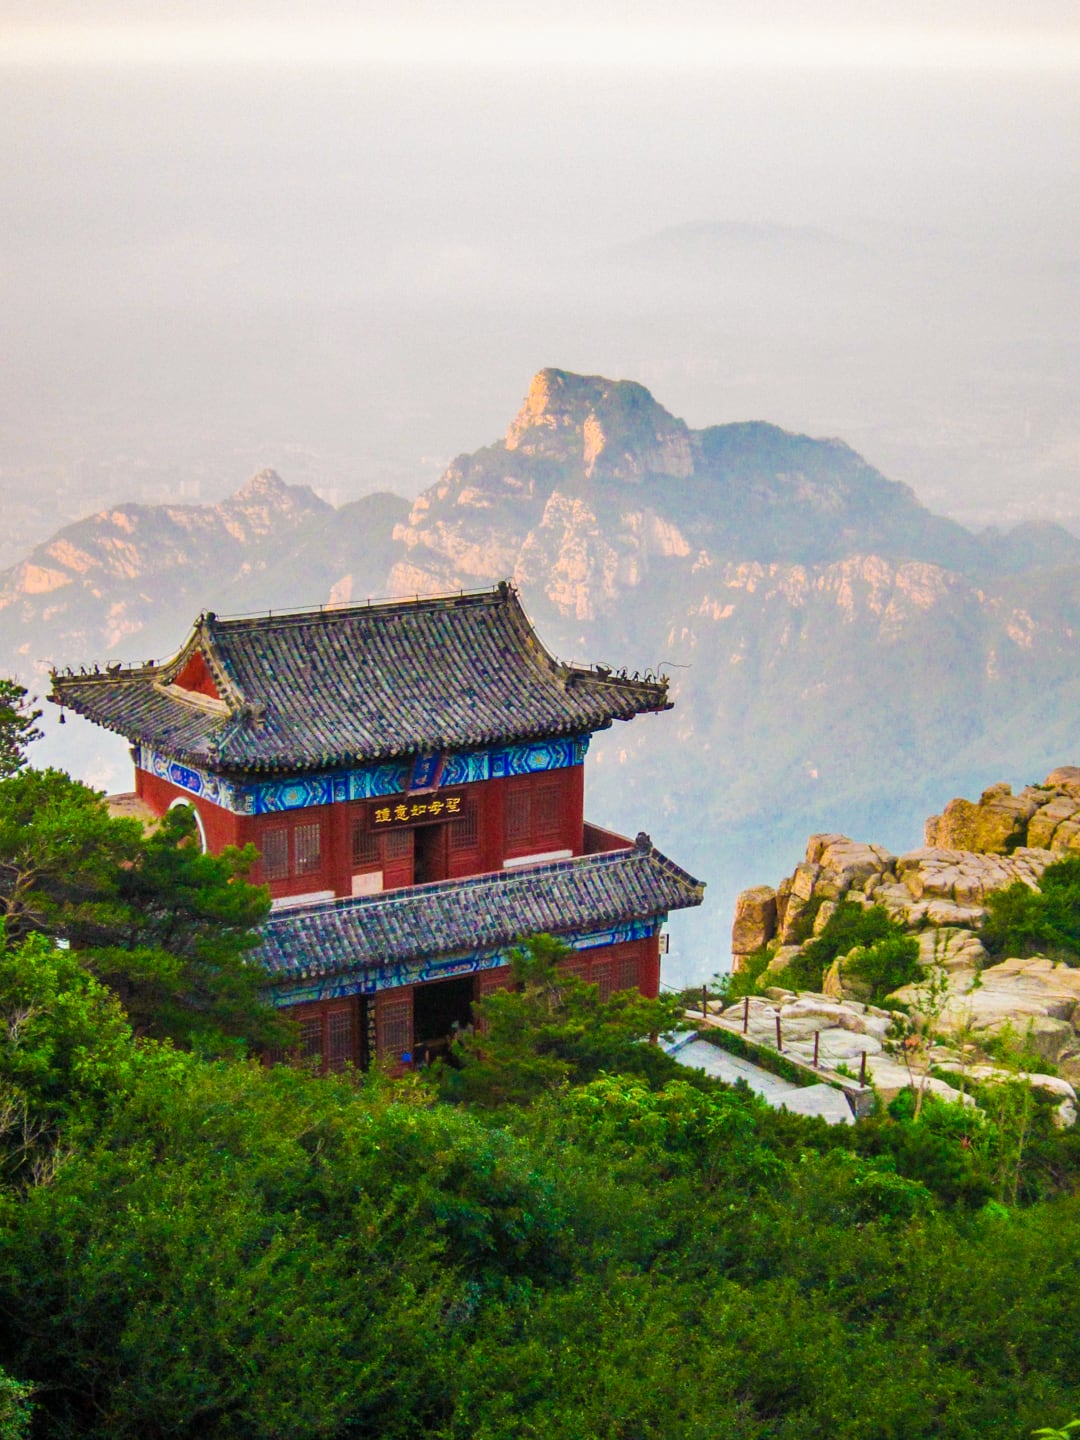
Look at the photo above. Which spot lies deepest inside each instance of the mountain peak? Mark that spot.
(266, 485)
(267, 493)
(616, 427)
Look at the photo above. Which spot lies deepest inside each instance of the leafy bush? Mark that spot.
(1023, 921)
(849, 925)
(885, 965)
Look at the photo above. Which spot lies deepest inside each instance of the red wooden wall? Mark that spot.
(502, 819)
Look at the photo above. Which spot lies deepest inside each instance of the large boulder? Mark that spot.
(967, 877)
(995, 824)
(1050, 818)
(953, 948)
(755, 921)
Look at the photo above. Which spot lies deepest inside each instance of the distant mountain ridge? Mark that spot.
(838, 653)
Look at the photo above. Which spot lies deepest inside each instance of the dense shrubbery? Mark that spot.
(1023, 921)
(208, 1248)
(849, 925)
(566, 1236)
(884, 965)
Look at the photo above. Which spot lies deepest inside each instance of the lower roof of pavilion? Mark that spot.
(483, 912)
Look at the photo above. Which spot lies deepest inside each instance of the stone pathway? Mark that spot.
(820, 1100)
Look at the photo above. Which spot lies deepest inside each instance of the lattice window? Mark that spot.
(307, 840)
(275, 854)
(395, 1029)
(339, 1037)
(548, 807)
(465, 833)
(399, 843)
(627, 972)
(365, 845)
(602, 977)
(311, 1038)
(518, 816)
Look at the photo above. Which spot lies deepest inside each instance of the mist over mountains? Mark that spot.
(840, 656)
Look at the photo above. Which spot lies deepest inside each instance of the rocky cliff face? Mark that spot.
(597, 492)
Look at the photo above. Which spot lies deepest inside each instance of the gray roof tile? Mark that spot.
(485, 912)
(326, 688)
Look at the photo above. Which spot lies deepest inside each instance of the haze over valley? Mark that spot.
(339, 261)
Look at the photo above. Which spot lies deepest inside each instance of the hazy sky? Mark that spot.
(339, 239)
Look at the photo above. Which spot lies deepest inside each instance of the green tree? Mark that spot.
(551, 1028)
(166, 925)
(16, 1409)
(18, 727)
(1023, 921)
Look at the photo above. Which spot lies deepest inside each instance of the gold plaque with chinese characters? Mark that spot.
(430, 809)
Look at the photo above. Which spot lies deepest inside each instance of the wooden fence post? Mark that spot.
(745, 1013)
(817, 1042)
(862, 1069)
(779, 1045)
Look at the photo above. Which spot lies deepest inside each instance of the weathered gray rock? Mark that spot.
(1046, 821)
(818, 844)
(965, 877)
(1050, 1084)
(986, 827)
(755, 920)
(819, 1014)
(852, 862)
(952, 948)
(948, 912)
(1065, 777)
(831, 983)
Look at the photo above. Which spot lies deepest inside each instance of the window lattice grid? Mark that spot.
(307, 841)
(465, 833)
(275, 854)
(311, 1038)
(518, 815)
(395, 1028)
(601, 977)
(627, 972)
(549, 810)
(366, 849)
(339, 1038)
(399, 844)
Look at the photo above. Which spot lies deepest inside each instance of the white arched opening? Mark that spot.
(198, 821)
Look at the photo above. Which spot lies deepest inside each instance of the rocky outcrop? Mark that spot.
(938, 894)
(1041, 817)
(755, 920)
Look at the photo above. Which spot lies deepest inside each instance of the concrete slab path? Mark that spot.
(820, 1100)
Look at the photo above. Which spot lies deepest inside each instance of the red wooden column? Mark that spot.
(649, 983)
(489, 797)
(575, 809)
(338, 841)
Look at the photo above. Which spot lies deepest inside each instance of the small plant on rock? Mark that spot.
(911, 1036)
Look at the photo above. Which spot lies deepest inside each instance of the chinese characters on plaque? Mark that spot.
(424, 810)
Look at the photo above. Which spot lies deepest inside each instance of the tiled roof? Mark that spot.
(331, 687)
(484, 912)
